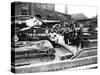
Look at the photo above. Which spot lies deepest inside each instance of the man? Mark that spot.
(66, 35)
(78, 39)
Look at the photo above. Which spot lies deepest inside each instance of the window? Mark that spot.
(24, 12)
(25, 9)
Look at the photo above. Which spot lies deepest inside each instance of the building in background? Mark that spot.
(78, 16)
(62, 16)
(45, 10)
(31, 9)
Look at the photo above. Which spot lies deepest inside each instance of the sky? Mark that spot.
(60, 8)
(89, 11)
